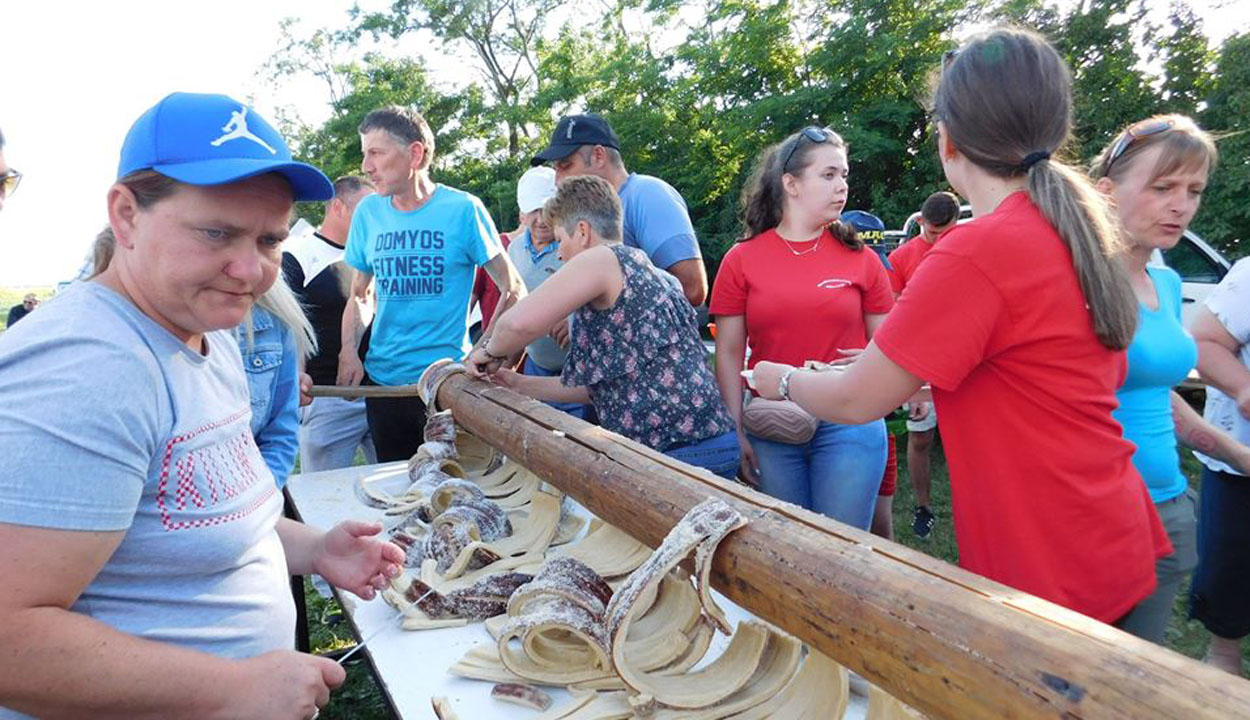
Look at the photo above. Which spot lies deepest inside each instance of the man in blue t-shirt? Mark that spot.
(656, 219)
(419, 243)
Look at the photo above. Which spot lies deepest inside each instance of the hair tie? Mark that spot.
(1033, 158)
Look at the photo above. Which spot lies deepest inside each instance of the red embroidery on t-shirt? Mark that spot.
(209, 476)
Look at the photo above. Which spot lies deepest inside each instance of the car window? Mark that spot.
(1192, 264)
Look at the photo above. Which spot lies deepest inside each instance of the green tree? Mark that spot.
(1225, 214)
(503, 37)
(1187, 62)
(1110, 88)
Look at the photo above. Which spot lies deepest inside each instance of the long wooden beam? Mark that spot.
(941, 639)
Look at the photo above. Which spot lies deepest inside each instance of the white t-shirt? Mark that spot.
(1230, 303)
(109, 422)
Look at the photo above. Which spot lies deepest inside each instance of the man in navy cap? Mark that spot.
(141, 531)
(655, 215)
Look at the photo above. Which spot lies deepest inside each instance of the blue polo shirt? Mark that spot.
(1161, 355)
(423, 263)
(657, 221)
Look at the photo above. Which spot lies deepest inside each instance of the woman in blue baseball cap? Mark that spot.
(139, 525)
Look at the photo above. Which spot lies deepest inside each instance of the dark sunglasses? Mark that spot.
(9, 182)
(812, 133)
(1135, 132)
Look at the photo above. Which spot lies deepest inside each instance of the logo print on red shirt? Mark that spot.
(834, 283)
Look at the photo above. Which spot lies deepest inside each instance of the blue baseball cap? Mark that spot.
(203, 139)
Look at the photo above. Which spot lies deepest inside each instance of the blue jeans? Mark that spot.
(577, 410)
(836, 473)
(719, 454)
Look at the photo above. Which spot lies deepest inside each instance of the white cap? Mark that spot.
(536, 186)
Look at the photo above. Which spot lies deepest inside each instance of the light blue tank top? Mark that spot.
(1161, 355)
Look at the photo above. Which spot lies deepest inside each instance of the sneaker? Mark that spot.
(922, 521)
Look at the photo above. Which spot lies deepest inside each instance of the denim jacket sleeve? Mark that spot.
(272, 368)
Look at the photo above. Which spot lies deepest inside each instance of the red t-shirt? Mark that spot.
(800, 307)
(905, 259)
(484, 288)
(1044, 492)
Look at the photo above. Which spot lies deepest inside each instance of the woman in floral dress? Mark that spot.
(634, 351)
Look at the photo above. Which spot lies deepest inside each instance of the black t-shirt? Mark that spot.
(324, 298)
(17, 312)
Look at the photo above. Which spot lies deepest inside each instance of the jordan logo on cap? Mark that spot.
(236, 129)
(568, 132)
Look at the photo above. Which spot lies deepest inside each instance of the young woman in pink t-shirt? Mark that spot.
(802, 287)
(1019, 319)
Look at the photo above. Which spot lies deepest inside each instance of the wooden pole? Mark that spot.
(941, 639)
(355, 391)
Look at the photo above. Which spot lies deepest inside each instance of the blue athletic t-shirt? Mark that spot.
(423, 263)
(656, 221)
(1161, 355)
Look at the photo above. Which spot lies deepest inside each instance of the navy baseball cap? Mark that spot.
(212, 140)
(869, 226)
(572, 132)
(870, 229)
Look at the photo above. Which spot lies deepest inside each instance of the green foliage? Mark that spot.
(1225, 214)
(698, 89)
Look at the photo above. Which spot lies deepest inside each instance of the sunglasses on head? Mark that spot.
(811, 132)
(1135, 132)
(9, 182)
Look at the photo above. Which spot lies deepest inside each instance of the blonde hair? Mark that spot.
(1006, 103)
(1185, 145)
(281, 302)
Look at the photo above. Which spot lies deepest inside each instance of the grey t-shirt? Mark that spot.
(109, 422)
(534, 271)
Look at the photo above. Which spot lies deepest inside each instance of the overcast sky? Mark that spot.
(77, 73)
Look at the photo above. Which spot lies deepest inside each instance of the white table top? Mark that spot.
(412, 665)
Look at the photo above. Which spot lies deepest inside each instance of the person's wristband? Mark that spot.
(783, 385)
(493, 356)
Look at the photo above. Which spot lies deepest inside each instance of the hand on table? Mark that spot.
(480, 365)
(353, 558)
(510, 379)
(284, 684)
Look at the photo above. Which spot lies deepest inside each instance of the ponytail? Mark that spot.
(1006, 103)
(1084, 220)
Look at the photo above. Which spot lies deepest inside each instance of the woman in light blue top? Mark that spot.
(1156, 171)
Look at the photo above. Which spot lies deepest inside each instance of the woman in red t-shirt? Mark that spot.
(1019, 319)
(800, 288)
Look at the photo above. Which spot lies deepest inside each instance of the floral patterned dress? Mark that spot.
(643, 362)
